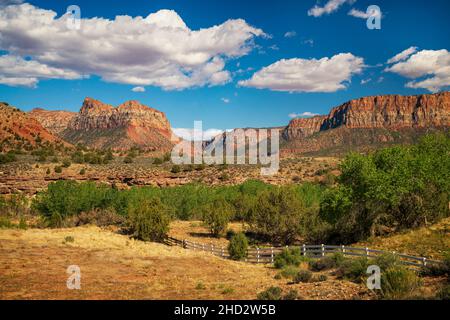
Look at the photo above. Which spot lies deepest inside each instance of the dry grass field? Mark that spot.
(33, 265)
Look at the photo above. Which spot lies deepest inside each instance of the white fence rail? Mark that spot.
(267, 254)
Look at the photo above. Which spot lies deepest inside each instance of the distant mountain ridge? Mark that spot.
(368, 121)
(356, 124)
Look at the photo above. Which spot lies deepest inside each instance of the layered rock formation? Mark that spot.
(54, 121)
(369, 121)
(131, 124)
(19, 130)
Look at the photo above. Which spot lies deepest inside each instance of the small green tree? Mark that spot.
(237, 248)
(149, 219)
(217, 215)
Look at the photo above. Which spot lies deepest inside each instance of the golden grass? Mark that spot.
(33, 265)
(430, 242)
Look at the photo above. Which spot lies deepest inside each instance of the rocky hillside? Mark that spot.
(54, 121)
(131, 124)
(368, 122)
(20, 131)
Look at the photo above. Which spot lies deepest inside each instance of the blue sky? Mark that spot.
(419, 25)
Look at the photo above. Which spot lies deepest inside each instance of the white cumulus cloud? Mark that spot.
(303, 75)
(290, 34)
(16, 71)
(402, 55)
(305, 114)
(138, 89)
(190, 135)
(157, 50)
(330, 7)
(429, 69)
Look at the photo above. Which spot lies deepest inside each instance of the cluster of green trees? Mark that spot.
(391, 189)
(7, 157)
(92, 157)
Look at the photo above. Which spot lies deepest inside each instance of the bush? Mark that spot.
(288, 257)
(128, 159)
(398, 282)
(303, 276)
(320, 278)
(66, 163)
(321, 264)
(158, 161)
(291, 295)
(289, 272)
(8, 157)
(82, 171)
(273, 293)
(58, 169)
(217, 215)
(353, 269)
(175, 169)
(149, 220)
(237, 248)
(444, 293)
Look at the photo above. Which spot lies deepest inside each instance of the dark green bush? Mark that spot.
(175, 169)
(303, 276)
(291, 295)
(324, 263)
(353, 269)
(237, 248)
(273, 293)
(217, 215)
(149, 220)
(58, 169)
(292, 256)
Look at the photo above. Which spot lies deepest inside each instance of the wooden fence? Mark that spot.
(267, 254)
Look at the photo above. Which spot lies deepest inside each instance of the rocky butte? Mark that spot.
(131, 124)
(370, 120)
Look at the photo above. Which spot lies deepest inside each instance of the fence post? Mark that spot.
(223, 252)
(271, 254)
(367, 252)
(212, 248)
(424, 261)
(343, 250)
(257, 254)
(304, 249)
(203, 247)
(323, 250)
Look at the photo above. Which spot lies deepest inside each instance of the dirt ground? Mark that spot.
(33, 265)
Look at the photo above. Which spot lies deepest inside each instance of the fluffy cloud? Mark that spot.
(138, 89)
(364, 14)
(225, 100)
(158, 50)
(402, 55)
(290, 34)
(330, 7)
(188, 134)
(305, 114)
(16, 71)
(302, 75)
(433, 64)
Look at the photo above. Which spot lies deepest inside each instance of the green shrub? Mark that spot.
(149, 220)
(292, 256)
(82, 171)
(128, 159)
(289, 272)
(291, 295)
(23, 224)
(158, 161)
(237, 248)
(6, 223)
(273, 293)
(175, 169)
(386, 261)
(48, 171)
(217, 215)
(320, 278)
(444, 293)
(7, 158)
(321, 264)
(398, 282)
(69, 239)
(353, 269)
(58, 169)
(66, 163)
(303, 276)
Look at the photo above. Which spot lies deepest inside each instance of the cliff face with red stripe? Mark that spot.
(131, 124)
(374, 119)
